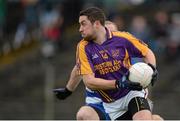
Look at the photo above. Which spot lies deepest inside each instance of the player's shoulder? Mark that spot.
(123, 34)
(82, 43)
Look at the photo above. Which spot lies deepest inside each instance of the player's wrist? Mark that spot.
(119, 83)
(69, 92)
(152, 66)
(155, 73)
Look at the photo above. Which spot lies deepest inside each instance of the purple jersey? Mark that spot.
(110, 60)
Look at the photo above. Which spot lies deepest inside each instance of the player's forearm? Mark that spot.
(72, 84)
(150, 58)
(74, 80)
(98, 83)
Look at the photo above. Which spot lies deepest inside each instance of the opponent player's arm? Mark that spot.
(74, 79)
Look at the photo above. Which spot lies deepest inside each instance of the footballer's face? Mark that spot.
(86, 28)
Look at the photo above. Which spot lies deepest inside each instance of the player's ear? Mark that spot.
(97, 23)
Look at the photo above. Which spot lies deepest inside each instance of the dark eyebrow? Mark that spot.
(82, 21)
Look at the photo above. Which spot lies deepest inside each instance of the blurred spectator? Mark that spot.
(50, 25)
(160, 30)
(20, 35)
(30, 13)
(28, 24)
(174, 39)
(141, 30)
(119, 21)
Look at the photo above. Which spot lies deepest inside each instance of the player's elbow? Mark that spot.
(89, 82)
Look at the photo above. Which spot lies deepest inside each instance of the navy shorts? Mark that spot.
(98, 107)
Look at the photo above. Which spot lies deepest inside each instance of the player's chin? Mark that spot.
(87, 38)
(83, 36)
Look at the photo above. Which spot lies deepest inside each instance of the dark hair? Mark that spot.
(93, 14)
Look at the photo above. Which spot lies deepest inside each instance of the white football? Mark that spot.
(142, 73)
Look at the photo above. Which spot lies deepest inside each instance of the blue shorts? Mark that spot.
(98, 107)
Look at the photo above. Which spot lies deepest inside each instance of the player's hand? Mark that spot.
(62, 93)
(155, 74)
(126, 84)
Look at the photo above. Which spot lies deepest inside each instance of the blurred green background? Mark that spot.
(38, 41)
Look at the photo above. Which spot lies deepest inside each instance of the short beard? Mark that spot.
(89, 38)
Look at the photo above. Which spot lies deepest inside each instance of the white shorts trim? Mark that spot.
(93, 100)
(120, 106)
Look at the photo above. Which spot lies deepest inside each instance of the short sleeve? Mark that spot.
(134, 46)
(82, 59)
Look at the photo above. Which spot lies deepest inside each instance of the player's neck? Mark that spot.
(101, 36)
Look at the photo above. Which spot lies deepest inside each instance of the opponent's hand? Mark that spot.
(155, 74)
(126, 84)
(62, 93)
